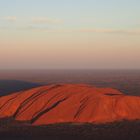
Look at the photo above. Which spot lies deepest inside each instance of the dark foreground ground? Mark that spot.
(13, 130)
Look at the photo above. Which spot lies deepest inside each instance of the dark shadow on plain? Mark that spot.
(11, 86)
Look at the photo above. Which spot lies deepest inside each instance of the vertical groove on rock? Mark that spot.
(28, 100)
(10, 100)
(47, 110)
(82, 106)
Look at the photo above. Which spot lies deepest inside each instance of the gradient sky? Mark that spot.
(41, 34)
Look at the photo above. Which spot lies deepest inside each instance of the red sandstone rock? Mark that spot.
(70, 103)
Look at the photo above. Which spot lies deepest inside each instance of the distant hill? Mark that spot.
(10, 86)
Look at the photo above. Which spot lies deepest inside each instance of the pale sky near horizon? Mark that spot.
(88, 34)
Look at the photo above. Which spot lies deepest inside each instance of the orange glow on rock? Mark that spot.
(70, 103)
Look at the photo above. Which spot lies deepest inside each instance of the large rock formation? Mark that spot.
(70, 103)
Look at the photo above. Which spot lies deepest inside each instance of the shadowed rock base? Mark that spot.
(124, 130)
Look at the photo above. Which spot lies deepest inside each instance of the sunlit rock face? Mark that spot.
(76, 103)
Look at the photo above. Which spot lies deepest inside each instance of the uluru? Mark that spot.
(64, 103)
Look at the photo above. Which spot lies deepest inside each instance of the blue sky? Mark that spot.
(83, 28)
(103, 13)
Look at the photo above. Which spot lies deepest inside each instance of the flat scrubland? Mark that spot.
(124, 130)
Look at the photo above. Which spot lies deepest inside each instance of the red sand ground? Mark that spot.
(70, 103)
